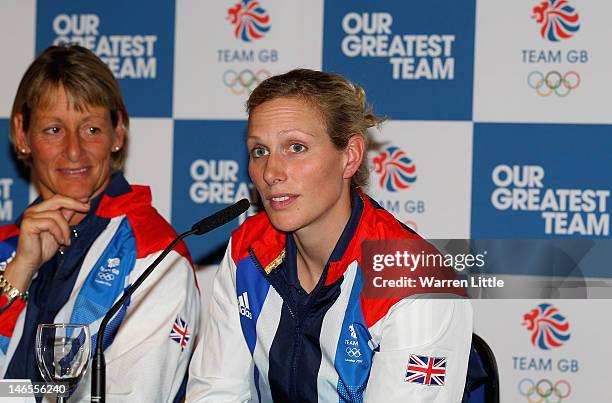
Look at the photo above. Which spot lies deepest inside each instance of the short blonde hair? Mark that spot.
(87, 82)
(341, 103)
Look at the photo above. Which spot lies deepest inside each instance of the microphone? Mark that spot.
(221, 217)
(98, 374)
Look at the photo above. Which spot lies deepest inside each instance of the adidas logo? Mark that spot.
(243, 304)
(353, 332)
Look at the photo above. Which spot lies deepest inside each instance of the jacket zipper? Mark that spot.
(298, 332)
(298, 321)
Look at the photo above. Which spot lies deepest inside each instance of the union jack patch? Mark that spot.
(426, 370)
(179, 332)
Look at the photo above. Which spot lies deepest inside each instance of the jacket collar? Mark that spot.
(270, 247)
(117, 187)
(121, 198)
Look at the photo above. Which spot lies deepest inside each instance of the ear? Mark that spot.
(21, 139)
(119, 138)
(354, 154)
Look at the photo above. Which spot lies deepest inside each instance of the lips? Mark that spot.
(281, 201)
(74, 171)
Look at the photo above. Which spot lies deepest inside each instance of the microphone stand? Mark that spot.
(98, 370)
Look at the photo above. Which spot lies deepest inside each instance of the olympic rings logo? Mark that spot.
(244, 81)
(553, 81)
(353, 352)
(544, 391)
(106, 276)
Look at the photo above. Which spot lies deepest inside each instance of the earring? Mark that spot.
(116, 148)
(23, 151)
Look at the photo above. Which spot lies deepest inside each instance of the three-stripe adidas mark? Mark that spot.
(243, 304)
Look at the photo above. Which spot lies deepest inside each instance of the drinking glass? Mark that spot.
(62, 354)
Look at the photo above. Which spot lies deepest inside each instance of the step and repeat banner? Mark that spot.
(500, 127)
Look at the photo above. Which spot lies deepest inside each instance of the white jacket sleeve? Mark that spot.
(421, 330)
(144, 364)
(222, 366)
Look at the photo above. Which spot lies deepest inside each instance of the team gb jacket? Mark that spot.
(261, 345)
(148, 344)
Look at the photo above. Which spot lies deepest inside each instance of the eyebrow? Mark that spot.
(283, 133)
(287, 132)
(51, 115)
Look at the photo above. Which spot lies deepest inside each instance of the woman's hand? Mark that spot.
(44, 228)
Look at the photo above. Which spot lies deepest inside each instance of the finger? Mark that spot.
(58, 202)
(63, 223)
(67, 214)
(31, 221)
(49, 242)
(40, 225)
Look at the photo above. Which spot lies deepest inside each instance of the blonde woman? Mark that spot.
(288, 320)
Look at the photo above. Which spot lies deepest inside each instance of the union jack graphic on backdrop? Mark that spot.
(251, 21)
(179, 332)
(557, 18)
(549, 328)
(426, 370)
(397, 171)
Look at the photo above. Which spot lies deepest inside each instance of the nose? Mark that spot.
(73, 146)
(274, 169)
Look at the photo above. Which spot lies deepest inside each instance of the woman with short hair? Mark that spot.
(88, 237)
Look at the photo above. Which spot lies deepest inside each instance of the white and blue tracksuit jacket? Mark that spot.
(148, 344)
(264, 343)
